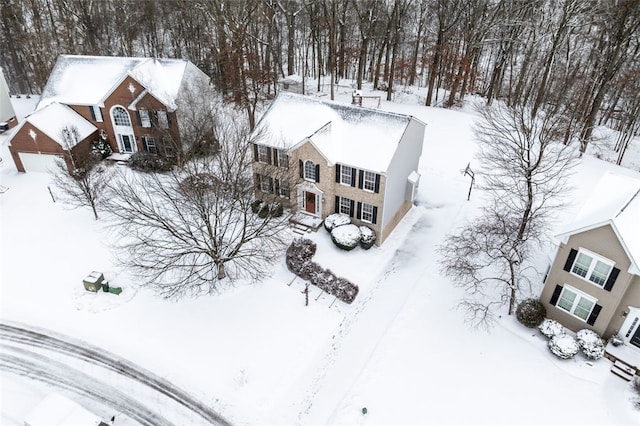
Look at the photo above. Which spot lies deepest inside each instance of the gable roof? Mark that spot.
(88, 80)
(360, 137)
(614, 201)
(53, 118)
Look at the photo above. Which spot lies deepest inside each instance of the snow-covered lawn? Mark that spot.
(258, 355)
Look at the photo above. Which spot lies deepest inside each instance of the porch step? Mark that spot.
(623, 370)
(299, 229)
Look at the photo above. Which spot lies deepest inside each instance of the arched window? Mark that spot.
(309, 170)
(120, 116)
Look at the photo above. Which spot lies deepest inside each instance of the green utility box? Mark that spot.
(93, 281)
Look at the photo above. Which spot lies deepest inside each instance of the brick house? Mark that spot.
(133, 103)
(320, 157)
(594, 279)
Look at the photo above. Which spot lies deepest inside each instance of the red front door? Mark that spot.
(310, 204)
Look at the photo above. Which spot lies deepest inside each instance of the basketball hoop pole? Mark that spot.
(468, 172)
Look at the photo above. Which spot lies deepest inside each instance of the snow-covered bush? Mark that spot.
(336, 219)
(591, 344)
(299, 252)
(563, 346)
(367, 237)
(276, 209)
(635, 386)
(346, 237)
(255, 205)
(616, 340)
(101, 149)
(298, 260)
(145, 162)
(531, 313)
(551, 328)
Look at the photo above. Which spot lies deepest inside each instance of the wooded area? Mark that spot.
(578, 56)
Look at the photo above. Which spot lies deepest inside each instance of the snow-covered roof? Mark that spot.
(53, 118)
(6, 109)
(614, 201)
(57, 410)
(87, 80)
(360, 137)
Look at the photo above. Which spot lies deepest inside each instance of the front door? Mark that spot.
(310, 204)
(635, 339)
(123, 129)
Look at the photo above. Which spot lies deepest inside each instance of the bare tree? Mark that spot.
(184, 232)
(84, 183)
(525, 167)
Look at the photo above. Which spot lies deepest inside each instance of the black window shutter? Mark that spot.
(270, 184)
(255, 152)
(556, 295)
(144, 143)
(377, 188)
(612, 279)
(168, 119)
(594, 314)
(375, 215)
(258, 181)
(359, 211)
(139, 119)
(268, 155)
(276, 161)
(93, 115)
(351, 206)
(337, 209)
(353, 176)
(360, 179)
(277, 182)
(569, 263)
(317, 172)
(301, 164)
(337, 173)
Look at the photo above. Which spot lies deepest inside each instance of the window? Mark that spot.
(283, 158)
(283, 188)
(369, 181)
(592, 267)
(145, 118)
(345, 206)
(96, 113)
(309, 170)
(263, 154)
(346, 175)
(121, 117)
(265, 183)
(163, 119)
(367, 213)
(576, 303)
(149, 144)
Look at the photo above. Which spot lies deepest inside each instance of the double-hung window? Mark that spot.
(367, 213)
(576, 302)
(283, 188)
(592, 267)
(369, 181)
(346, 175)
(163, 119)
(149, 144)
(263, 154)
(345, 206)
(145, 118)
(283, 159)
(96, 113)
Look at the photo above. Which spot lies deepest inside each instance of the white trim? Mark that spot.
(304, 171)
(364, 181)
(595, 258)
(630, 325)
(261, 154)
(343, 174)
(362, 212)
(579, 295)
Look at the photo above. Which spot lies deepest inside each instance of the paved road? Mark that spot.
(78, 367)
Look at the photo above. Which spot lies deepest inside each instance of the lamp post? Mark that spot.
(468, 172)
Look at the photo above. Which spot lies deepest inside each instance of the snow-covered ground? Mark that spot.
(258, 355)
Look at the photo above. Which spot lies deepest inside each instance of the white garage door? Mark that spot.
(38, 162)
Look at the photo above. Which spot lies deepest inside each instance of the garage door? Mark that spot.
(42, 163)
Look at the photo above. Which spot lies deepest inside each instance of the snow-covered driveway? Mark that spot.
(75, 366)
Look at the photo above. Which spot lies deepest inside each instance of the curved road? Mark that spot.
(62, 361)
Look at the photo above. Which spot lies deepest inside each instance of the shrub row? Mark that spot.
(565, 346)
(298, 260)
(347, 236)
